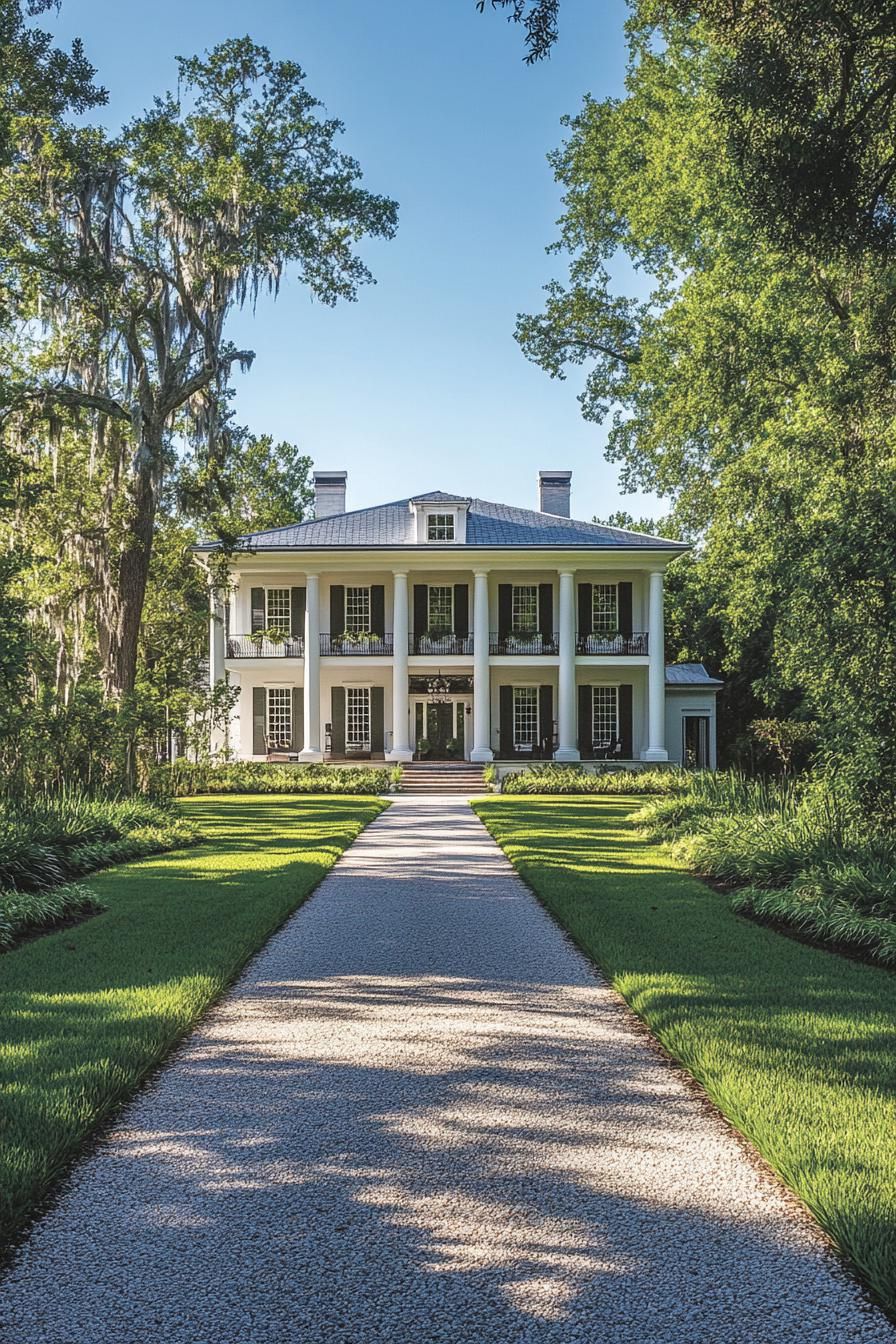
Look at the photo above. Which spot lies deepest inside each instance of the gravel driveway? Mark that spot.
(420, 1118)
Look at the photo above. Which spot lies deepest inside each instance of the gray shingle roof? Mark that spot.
(690, 674)
(487, 525)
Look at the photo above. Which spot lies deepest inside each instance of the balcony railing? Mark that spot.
(603, 644)
(525, 645)
(262, 646)
(441, 644)
(356, 645)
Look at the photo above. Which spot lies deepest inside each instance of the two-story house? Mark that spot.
(447, 626)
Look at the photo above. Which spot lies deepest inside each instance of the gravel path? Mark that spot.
(419, 1118)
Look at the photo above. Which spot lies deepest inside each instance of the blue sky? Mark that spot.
(420, 384)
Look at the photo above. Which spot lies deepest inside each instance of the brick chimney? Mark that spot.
(329, 493)
(553, 492)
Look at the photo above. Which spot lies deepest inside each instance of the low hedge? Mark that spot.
(183, 779)
(572, 779)
(26, 912)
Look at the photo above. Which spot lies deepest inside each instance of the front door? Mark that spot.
(439, 730)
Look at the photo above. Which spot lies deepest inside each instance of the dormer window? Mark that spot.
(440, 527)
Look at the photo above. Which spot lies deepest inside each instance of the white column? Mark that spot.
(482, 691)
(401, 749)
(567, 748)
(217, 652)
(656, 673)
(311, 700)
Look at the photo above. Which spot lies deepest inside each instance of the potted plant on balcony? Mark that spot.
(522, 639)
(274, 634)
(359, 640)
(432, 640)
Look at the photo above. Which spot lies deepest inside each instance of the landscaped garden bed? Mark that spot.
(794, 1044)
(88, 1011)
(185, 779)
(48, 842)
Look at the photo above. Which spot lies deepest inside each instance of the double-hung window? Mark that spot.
(440, 612)
(440, 527)
(524, 608)
(605, 609)
(357, 609)
(604, 714)
(357, 717)
(525, 716)
(279, 717)
(277, 612)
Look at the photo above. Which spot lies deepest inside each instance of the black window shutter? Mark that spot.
(506, 722)
(546, 718)
(298, 715)
(337, 732)
(378, 610)
(626, 735)
(505, 609)
(259, 719)
(297, 612)
(625, 610)
(586, 717)
(377, 719)
(421, 609)
(586, 610)
(259, 615)
(337, 608)
(461, 610)
(546, 610)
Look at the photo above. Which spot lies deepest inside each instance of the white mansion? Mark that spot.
(445, 627)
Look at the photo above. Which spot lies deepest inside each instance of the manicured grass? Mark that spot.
(87, 1011)
(795, 1045)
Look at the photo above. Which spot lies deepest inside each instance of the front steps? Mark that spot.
(457, 777)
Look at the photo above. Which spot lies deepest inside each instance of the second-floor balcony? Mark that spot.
(604, 644)
(438, 643)
(265, 644)
(356, 644)
(524, 643)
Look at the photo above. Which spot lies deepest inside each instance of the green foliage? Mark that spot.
(803, 855)
(29, 912)
(87, 1013)
(753, 385)
(185, 778)
(556, 778)
(786, 741)
(792, 1044)
(50, 839)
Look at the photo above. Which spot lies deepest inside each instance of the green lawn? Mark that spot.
(87, 1011)
(795, 1045)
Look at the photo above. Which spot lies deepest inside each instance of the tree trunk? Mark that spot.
(123, 606)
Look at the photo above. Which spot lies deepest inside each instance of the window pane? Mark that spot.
(440, 527)
(279, 716)
(604, 725)
(525, 607)
(525, 716)
(357, 609)
(441, 608)
(605, 612)
(357, 717)
(278, 609)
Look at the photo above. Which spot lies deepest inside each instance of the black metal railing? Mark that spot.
(440, 644)
(356, 645)
(531, 645)
(263, 646)
(597, 644)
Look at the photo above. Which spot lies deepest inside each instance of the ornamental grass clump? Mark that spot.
(799, 855)
(26, 912)
(51, 839)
